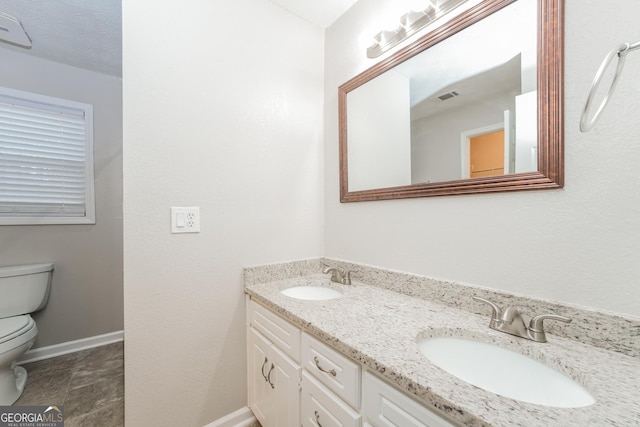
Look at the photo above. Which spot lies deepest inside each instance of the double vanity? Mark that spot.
(364, 346)
(322, 353)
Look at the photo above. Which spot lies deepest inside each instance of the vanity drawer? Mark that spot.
(340, 374)
(320, 407)
(384, 406)
(280, 332)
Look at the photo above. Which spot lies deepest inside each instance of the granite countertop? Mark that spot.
(380, 329)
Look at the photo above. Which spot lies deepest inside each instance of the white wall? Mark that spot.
(223, 110)
(580, 244)
(86, 293)
(379, 149)
(527, 132)
(435, 140)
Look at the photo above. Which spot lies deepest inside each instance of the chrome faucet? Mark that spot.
(339, 275)
(510, 321)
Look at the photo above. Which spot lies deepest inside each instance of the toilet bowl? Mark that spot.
(23, 290)
(17, 335)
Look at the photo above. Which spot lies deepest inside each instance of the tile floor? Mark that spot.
(89, 383)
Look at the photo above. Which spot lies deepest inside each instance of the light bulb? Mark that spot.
(386, 36)
(411, 18)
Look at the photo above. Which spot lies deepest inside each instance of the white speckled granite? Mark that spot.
(589, 326)
(380, 328)
(285, 270)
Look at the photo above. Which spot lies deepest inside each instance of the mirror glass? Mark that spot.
(453, 110)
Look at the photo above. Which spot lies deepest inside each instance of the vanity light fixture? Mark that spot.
(410, 23)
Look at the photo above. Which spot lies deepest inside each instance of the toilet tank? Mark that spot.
(24, 288)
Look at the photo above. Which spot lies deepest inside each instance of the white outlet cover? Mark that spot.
(189, 220)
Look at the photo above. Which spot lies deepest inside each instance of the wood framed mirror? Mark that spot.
(415, 124)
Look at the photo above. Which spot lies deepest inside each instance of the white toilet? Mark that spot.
(23, 290)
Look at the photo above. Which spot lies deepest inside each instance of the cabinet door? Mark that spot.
(274, 383)
(258, 367)
(322, 408)
(284, 385)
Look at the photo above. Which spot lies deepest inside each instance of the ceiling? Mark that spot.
(88, 33)
(319, 12)
(81, 33)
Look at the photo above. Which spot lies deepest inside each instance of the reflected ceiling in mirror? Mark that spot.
(472, 106)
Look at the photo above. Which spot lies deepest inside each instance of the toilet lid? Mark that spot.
(12, 327)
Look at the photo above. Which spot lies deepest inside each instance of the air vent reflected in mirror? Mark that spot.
(448, 95)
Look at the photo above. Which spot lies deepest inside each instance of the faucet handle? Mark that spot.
(536, 323)
(347, 277)
(336, 274)
(536, 328)
(495, 310)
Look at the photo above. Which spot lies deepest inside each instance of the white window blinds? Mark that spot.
(46, 160)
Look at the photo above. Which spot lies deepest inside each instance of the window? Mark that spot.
(46, 160)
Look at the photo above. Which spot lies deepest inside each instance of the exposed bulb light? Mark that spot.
(410, 23)
(412, 17)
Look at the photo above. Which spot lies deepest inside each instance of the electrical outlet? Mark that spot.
(185, 220)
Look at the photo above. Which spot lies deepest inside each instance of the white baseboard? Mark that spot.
(243, 417)
(47, 352)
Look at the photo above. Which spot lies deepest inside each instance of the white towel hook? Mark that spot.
(621, 52)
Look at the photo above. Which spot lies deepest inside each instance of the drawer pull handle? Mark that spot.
(269, 376)
(331, 372)
(317, 418)
(262, 369)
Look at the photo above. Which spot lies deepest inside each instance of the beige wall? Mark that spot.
(86, 295)
(578, 245)
(223, 110)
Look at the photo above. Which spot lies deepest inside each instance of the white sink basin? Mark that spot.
(505, 372)
(311, 293)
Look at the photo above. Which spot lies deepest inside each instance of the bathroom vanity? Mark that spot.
(353, 360)
(295, 379)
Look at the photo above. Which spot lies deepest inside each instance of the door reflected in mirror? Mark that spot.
(487, 153)
(460, 110)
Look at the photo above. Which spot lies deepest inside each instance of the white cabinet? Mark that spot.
(296, 380)
(322, 408)
(257, 369)
(384, 406)
(330, 386)
(277, 330)
(273, 377)
(337, 372)
(284, 383)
